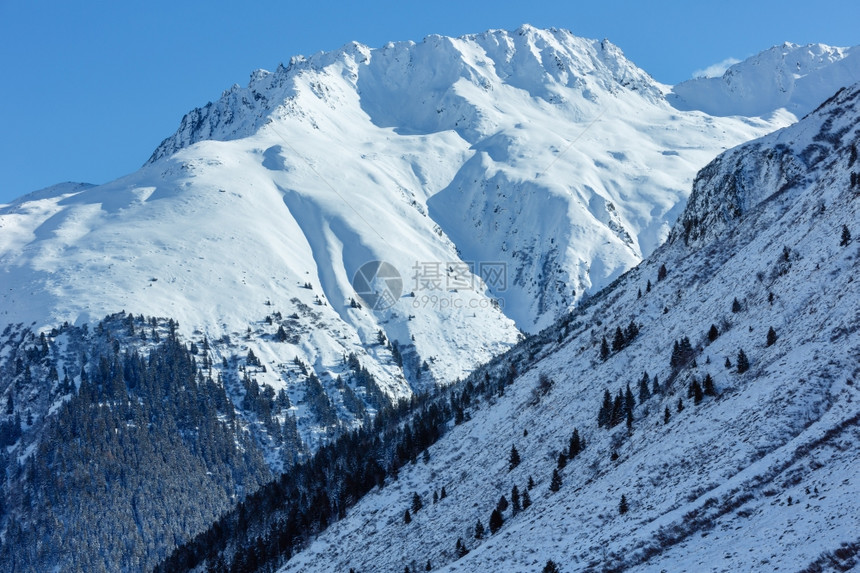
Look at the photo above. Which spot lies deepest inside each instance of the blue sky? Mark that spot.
(90, 88)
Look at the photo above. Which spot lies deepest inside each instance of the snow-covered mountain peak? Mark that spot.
(789, 76)
(529, 59)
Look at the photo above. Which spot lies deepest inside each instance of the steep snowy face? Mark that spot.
(790, 76)
(741, 179)
(750, 435)
(564, 163)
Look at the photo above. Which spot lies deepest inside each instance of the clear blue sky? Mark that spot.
(90, 88)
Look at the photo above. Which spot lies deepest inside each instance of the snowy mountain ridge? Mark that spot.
(504, 175)
(787, 76)
(527, 58)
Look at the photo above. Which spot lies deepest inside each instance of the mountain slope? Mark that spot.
(503, 176)
(760, 475)
(118, 442)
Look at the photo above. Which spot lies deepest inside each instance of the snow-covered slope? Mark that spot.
(788, 76)
(504, 175)
(762, 475)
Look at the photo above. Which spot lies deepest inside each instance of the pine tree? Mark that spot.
(736, 305)
(407, 519)
(479, 530)
(708, 386)
(655, 386)
(574, 446)
(631, 332)
(551, 567)
(743, 362)
(629, 401)
(644, 390)
(604, 350)
(618, 342)
(555, 483)
(417, 504)
(562, 461)
(680, 405)
(503, 504)
(675, 358)
(530, 484)
(514, 458)
(682, 353)
(771, 336)
(496, 521)
(527, 500)
(429, 566)
(696, 392)
(442, 494)
(617, 410)
(728, 362)
(515, 500)
(604, 417)
(622, 506)
(713, 333)
(846, 236)
(661, 272)
(648, 286)
(460, 549)
(666, 415)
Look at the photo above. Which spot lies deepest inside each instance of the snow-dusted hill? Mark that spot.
(503, 175)
(760, 475)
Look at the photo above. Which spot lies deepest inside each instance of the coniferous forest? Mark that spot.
(139, 446)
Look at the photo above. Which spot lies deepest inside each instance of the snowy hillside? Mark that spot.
(757, 472)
